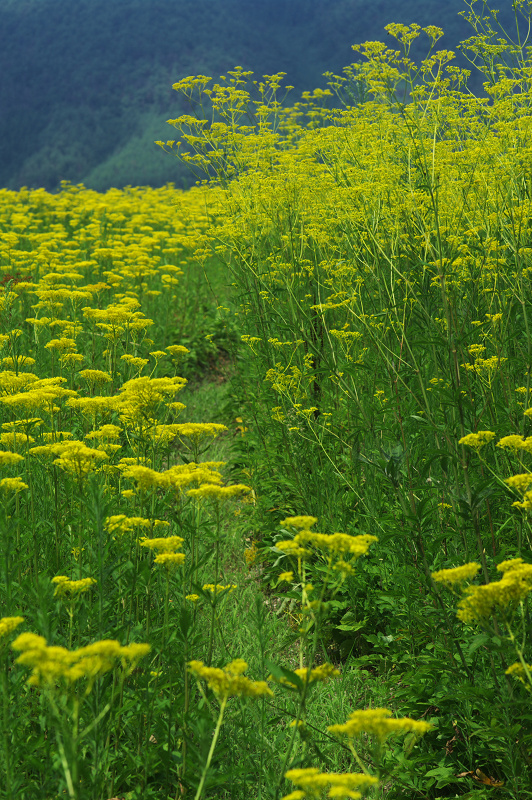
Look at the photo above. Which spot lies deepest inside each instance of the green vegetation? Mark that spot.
(265, 447)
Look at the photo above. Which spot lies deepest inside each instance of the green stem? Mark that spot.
(211, 751)
(215, 593)
(166, 603)
(5, 728)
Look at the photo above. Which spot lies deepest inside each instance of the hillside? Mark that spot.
(86, 85)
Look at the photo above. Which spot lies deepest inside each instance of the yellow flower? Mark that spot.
(480, 602)
(136, 363)
(119, 524)
(95, 376)
(144, 477)
(292, 548)
(181, 475)
(176, 407)
(216, 589)
(52, 666)
(105, 432)
(313, 783)
(93, 406)
(199, 430)
(456, 574)
(71, 359)
(299, 522)
(67, 588)
(286, 576)
(177, 350)
(513, 442)
(23, 424)
(78, 459)
(62, 345)
(9, 459)
(131, 654)
(317, 675)
(52, 437)
(229, 681)
(379, 721)
(251, 554)
(337, 543)
(15, 440)
(16, 485)
(477, 440)
(9, 624)
(212, 491)
(170, 559)
(522, 672)
(520, 483)
(29, 641)
(164, 545)
(22, 362)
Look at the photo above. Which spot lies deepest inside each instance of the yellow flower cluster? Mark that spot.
(477, 440)
(523, 673)
(485, 368)
(230, 681)
(480, 602)
(51, 665)
(286, 576)
(15, 485)
(251, 554)
(380, 723)
(95, 377)
(456, 574)
(163, 545)
(522, 483)
(300, 523)
(338, 543)
(199, 430)
(166, 548)
(335, 545)
(71, 589)
(170, 560)
(319, 674)
(9, 459)
(213, 492)
(177, 477)
(88, 282)
(217, 588)
(312, 783)
(120, 524)
(516, 443)
(9, 624)
(73, 457)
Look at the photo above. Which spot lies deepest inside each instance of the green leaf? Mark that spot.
(280, 673)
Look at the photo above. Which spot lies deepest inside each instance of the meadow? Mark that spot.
(266, 447)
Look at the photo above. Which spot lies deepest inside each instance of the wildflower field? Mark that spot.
(266, 447)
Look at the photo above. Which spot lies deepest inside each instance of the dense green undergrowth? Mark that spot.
(380, 253)
(311, 577)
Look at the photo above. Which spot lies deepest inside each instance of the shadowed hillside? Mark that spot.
(86, 85)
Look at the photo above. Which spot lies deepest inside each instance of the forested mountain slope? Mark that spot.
(86, 84)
